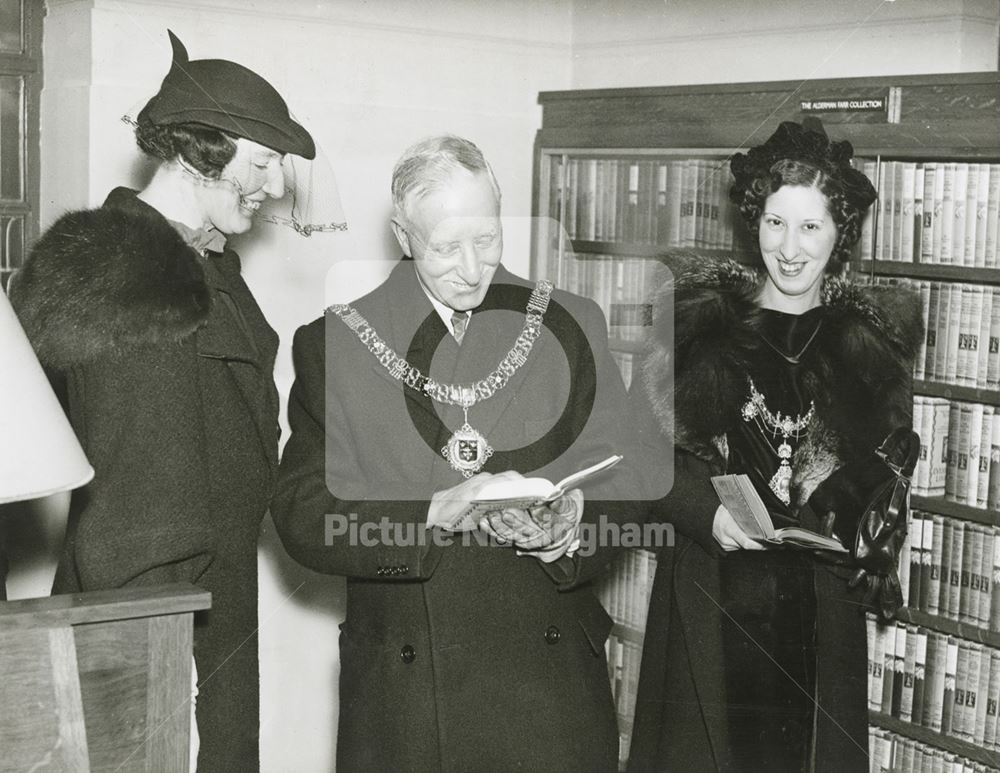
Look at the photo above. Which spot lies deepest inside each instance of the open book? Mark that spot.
(741, 499)
(531, 492)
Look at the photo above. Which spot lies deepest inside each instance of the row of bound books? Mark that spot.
(620, 286)
(944, 683)
(962, 343)
(933, 212)
(959, 451)
(893, 753)
(624, 592)
(948, 567)
(624, 660)
(682, 202)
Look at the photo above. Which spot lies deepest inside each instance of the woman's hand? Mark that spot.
(728, 533)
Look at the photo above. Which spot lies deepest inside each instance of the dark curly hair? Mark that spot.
(206, 150)
(802, 154)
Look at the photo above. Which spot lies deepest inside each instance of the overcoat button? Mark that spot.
(407, 654)
(552, 635)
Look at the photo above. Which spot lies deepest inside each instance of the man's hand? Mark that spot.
(728, 533)
(448, 506)
(546, 532)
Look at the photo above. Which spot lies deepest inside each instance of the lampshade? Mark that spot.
(39, 454)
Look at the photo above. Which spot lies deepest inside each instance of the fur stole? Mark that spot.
(706, 336)
(102, 281)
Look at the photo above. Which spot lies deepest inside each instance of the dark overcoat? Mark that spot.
(686, 402)
(165, 363)
(454, 657)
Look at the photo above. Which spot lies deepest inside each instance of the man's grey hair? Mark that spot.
(427, 167)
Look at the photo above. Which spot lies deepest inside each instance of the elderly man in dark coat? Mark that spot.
(458, 653)
(165, 360)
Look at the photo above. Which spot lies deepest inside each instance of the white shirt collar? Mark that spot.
(443, 311)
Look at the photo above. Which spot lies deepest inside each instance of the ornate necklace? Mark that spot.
(755, 409)
(467, 449)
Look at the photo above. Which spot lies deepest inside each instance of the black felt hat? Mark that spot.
(226, 96)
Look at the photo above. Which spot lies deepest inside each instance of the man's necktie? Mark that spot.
(458, 323)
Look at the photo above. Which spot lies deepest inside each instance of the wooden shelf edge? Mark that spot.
(985, 395)
(934, 738)
(934, 271)
(584, 248)
(942, 506)
(628, 633)
(949, 626)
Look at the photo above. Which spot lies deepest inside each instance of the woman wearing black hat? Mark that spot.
(165, 361)
(755, 659)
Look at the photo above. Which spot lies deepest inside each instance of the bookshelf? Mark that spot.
(623, 176)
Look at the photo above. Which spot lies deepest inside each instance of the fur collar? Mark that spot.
(698, 357)
(101, 281)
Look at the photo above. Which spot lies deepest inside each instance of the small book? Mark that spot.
(741, 499)
(531, 492)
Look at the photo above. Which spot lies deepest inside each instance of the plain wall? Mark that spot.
(369, 77)
(675, 42)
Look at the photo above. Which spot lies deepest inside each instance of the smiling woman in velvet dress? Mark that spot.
(755, 659)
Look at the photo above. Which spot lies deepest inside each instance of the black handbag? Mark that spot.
(881, 528)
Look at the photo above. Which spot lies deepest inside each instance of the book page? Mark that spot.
(525, 493)
(740, 498)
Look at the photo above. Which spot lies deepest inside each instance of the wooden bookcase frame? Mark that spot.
(950, 117)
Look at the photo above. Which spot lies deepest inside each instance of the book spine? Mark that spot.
(981, 210)
(943, 321)
(944, 235)
(917, 220)
(948, 698)
(926, 558)
(909, 674)
(982, 698)
(907, 171)
(992, 701)
(920, 677)
(948, 537)
(867, 246)
(961, 679)
(675, 200)
(985, 322)
(954, 331)
(976, 413)
(971, 200)
(927, 238)
(933, 335)
(920, 366)
(992, 217)
(970, 573)
(875, 650)
(995, 596)
(937, 655)
(955, 568)
(915, 536)
(939, 446)
(962, 447)
(898, 670)
(934, 586)
(959, 213)
(985, 576)
(888, 669)
(954, 427)
(961, 375)
(923, 416)
(884, 213)
(968, 709)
